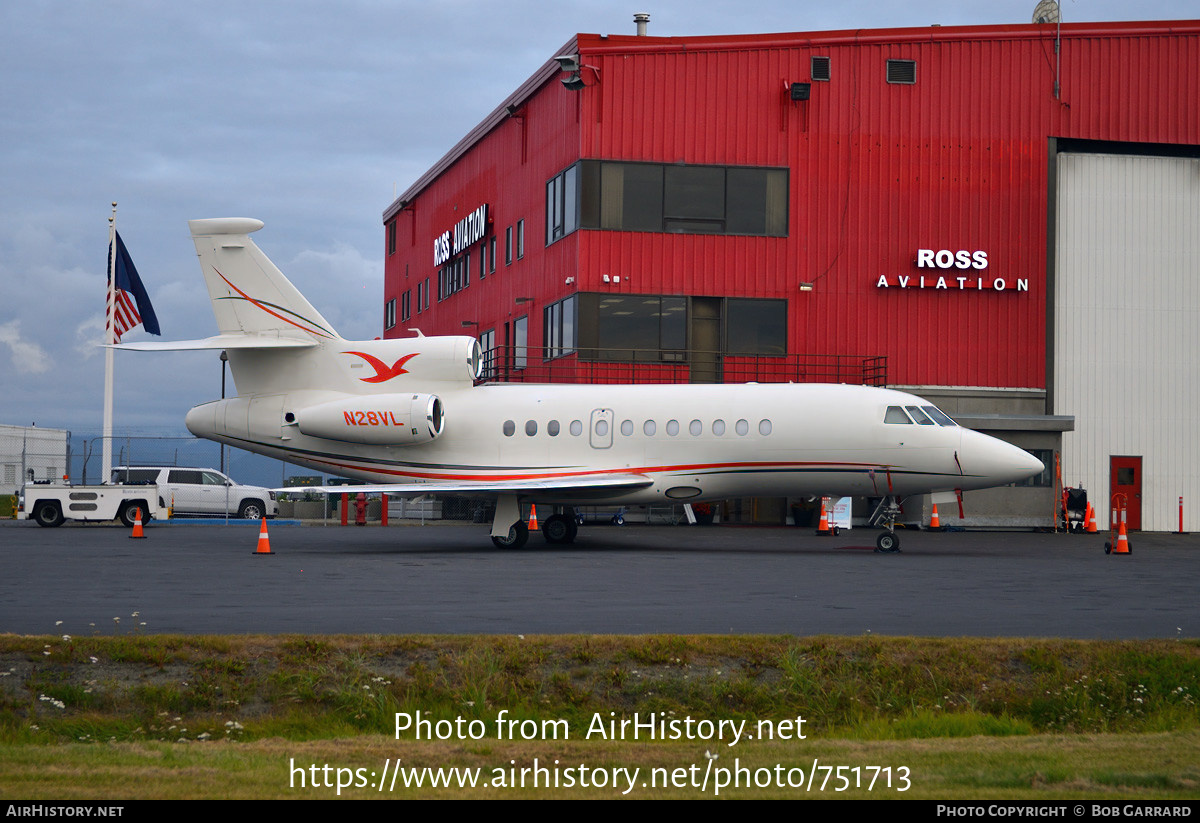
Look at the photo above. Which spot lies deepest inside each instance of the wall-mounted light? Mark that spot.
(799, 91)
(466, 324)
(806, 287)
(570, 64)
(569, 281)
(524, 300)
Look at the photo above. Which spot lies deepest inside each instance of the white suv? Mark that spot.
(201, 491)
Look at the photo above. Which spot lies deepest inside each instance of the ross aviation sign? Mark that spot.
(466, 232)
(960, 270)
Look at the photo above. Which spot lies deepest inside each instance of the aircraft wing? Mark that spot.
(220, 341)
(587, 486)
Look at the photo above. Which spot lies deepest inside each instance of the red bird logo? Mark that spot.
(382, 370)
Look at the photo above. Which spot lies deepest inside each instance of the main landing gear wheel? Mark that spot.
(887, 543)
(559, 528)
(518, 535)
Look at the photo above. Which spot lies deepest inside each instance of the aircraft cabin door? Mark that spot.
(601, 434)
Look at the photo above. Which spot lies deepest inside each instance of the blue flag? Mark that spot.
(132, 302)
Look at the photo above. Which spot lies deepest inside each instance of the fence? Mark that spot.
(527, 364)
(25, 450)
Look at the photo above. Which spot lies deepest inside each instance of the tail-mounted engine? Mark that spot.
(379, 419)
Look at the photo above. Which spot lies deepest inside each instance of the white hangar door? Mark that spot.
(1126, 327)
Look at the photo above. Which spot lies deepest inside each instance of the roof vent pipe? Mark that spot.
(641, 18)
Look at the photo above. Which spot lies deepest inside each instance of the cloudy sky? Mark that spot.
(309, 116)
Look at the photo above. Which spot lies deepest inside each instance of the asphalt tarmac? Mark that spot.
(201, 579)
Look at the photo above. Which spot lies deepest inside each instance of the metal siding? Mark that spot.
(877, 170)
(1128, 326)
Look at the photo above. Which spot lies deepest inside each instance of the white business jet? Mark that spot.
(408, 417)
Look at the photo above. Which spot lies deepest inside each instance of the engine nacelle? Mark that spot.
(379, 419)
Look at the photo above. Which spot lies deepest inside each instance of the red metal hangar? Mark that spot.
(1002, 219)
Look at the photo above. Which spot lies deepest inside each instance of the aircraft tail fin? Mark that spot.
(250, 296)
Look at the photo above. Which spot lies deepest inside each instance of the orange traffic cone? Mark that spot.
(533, 526)
(1122, 546)
(823, 526)
(1090, 528)
(935, 523)
(137, 524)
(264, 541)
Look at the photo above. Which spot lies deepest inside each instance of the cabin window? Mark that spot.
(552, 428)
(626, 427)
(718, 427)
(531, 427)
(696, 428)
(510, 428)
(764, 427)
(672, 427)
(742, 427)
(648, 428)
(895, 414)
(576, 427)
(601, 428)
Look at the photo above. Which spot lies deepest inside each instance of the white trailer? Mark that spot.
(51, 504)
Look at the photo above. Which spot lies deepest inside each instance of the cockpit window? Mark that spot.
(939, 416)
(921, 417)
(895, 414)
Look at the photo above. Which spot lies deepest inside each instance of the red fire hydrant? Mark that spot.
(360, 509)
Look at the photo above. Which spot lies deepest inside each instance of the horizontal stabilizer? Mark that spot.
(559, 486)
(220, 342)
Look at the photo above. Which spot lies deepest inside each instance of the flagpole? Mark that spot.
(110, 328)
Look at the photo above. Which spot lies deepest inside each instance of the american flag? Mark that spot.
(132, 302)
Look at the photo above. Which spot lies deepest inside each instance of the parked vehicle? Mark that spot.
(51, 504)
(205, 492)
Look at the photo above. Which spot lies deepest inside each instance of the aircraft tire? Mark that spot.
(887, 543)
(559, 529)
(518, 536)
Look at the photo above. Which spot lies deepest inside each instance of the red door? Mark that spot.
(1125, 477)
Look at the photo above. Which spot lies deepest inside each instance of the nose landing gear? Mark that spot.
(887, 511)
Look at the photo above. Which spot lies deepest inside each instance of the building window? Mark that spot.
(406, 305)
(520, 342)
(632, 327)
(454, 276)
(389, 314)
(391, 237)
(755, 326)
(562, 205)
(492, 255)
(487, 345)
(688, 199)
(483, 253)
(520, 238)
(508, 246)
(560, 327)
(902, 71)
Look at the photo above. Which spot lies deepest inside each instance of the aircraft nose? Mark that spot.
(993, 462)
